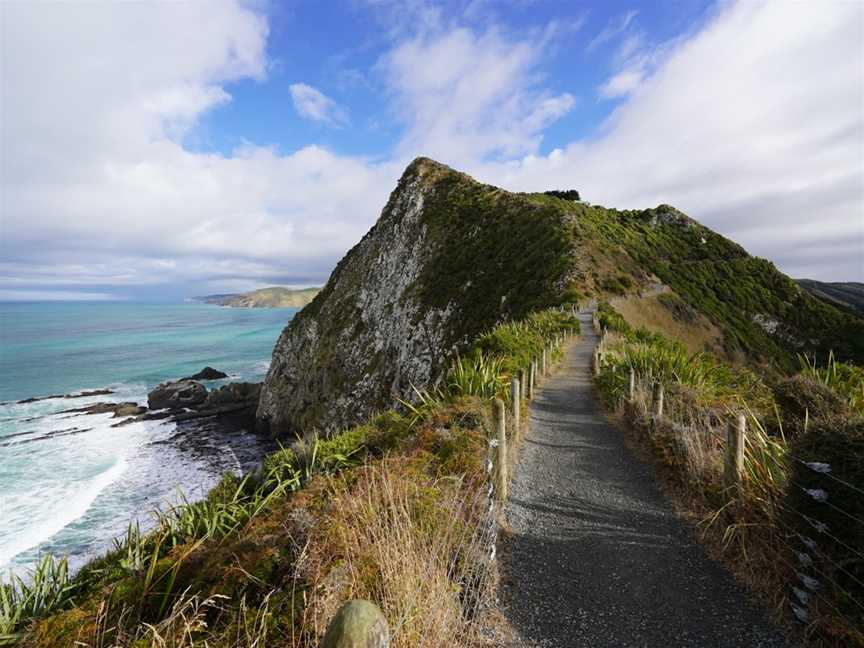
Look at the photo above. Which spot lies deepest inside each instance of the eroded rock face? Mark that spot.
(448, 259)
(176, 395)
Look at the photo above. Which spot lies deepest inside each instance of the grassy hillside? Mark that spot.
(848, 295)
(761, 313)
(275, 297)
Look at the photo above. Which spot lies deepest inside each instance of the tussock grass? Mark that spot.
(418, 545)
(843, 377)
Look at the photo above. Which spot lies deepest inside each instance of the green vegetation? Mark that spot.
(516, 343)
(845, 295)
(618, 285)
(805, 438)
(21, 600)
(567, 194)
(507, 245)
(393, 510)
(761, 312)
(843, 378)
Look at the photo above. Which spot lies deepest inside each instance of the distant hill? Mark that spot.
(849, 294)
(276, 297)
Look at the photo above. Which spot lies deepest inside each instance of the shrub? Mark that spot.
(478, 375)
(568, 194)
(844, 378)
(801, 399)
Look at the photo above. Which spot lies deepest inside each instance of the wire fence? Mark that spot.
(808, 543)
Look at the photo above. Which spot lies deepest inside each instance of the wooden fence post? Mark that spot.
(631, 391)
(515, 392)
(498, 418)
(734, 458)
(543, 363)
(532, 379)
(523, 382)
(658, 400)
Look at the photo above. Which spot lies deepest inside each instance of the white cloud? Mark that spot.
(466, 96)
(102, 191)
(315, 105)
(53, 295)
(623, 83)
(753, 126)
(614, 28)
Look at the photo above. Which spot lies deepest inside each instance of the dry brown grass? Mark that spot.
(651, 314)
(416, 545)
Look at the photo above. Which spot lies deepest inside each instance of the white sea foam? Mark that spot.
(63, 510)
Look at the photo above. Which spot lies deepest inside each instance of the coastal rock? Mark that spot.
(128, 409)
(117, 409)
(83, 394)
(240, 394)
(448, 259)
(176, 395)
(207, 373)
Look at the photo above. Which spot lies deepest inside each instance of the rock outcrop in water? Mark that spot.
(207, 373)
(448, 258)
(177, 395)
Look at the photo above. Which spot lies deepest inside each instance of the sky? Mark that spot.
(163, 150)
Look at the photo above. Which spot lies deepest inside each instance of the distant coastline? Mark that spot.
(275, 297)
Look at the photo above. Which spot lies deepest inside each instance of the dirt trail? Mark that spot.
(597, 557)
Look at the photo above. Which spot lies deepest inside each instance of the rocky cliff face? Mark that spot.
(448, 259)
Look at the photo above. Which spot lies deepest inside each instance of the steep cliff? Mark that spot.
(451, 257)
(448, 258)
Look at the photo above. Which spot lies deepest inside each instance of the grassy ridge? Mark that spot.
(394, 510)
(762, 313)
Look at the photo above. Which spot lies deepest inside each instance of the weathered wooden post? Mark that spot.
(498, 419)
(543, 363)
(532, 377)
(658, 400)
(631, 391)
(523, 382)
(515, 393)
(357, 624)
(734, 458)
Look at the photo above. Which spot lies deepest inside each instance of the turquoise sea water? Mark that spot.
(71, 482)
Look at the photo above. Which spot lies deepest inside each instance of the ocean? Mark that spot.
(70, 483)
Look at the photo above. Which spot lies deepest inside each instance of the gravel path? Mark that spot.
(597, 557)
